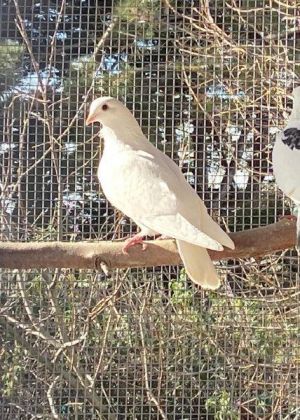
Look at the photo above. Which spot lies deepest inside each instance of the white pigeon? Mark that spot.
(286, 159)
(147, 186)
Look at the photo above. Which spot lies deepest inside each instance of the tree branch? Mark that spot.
(106, 254)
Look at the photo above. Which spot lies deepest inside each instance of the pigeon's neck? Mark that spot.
(121, 138)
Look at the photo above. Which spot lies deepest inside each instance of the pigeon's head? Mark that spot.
(109, 112)
(296, 92)
(296, 103)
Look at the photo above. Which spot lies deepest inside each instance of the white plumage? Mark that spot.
(286, 158)
(149, 187)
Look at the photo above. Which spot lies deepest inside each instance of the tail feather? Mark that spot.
(198, 265)
(298, 229)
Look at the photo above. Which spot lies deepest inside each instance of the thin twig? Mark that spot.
(50, 398)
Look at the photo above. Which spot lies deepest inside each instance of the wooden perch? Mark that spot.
(108, 255)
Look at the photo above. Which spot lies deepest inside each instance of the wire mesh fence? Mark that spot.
(210, 84)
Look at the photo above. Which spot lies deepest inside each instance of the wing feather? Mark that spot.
(176, 226)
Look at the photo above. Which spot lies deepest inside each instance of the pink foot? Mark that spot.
(136, 239)
(290, 217)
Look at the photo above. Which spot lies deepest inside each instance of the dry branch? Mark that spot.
(90, 255)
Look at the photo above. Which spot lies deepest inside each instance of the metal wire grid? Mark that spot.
(208, 83)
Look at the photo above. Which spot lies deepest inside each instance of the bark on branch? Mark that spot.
(105, 254)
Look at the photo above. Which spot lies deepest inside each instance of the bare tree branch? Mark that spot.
(90, 255)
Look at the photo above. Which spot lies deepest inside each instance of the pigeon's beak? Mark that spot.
(90, 119)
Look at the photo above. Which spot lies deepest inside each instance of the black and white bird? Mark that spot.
(286, 159)
(149, 187)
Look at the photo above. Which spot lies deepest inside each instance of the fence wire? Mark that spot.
(210, 83)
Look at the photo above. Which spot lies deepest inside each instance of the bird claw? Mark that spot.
(163, 237)
(135, 240)
(289, 217)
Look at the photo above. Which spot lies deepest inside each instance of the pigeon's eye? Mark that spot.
(104, 107)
